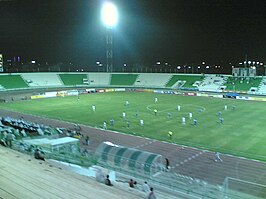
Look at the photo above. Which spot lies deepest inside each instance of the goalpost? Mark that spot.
(236, 188)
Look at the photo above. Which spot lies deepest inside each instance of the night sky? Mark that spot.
(174, 31)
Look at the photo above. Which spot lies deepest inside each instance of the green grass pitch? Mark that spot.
(242, 133)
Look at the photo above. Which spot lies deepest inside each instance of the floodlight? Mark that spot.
(109, 14)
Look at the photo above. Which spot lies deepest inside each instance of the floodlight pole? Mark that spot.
(109, 50)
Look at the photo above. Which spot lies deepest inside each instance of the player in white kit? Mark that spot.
(183, 120)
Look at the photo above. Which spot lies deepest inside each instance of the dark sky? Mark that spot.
(176, 31)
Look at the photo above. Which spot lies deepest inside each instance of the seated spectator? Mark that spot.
(9, 139)
(4, 134)
(3, 142)
(108, 181)
(16, 132)
(38, 155)
(131, 183)
(145, 187)
(40, 132)
(23, 133)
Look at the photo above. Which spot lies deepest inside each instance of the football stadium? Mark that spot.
(132, 99)
(121, 123)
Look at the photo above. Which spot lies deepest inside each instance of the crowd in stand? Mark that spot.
(6, 138)
(23, 127)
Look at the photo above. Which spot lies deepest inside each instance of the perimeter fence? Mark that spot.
(157, 175)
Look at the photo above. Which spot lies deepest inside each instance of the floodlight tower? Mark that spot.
(109, 18)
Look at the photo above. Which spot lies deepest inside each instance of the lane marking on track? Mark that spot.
(145, 144)
(188, 159)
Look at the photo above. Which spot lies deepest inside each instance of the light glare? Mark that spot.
(109, 14)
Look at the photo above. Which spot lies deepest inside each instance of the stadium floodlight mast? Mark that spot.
(109, 18)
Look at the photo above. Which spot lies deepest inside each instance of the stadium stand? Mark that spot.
(123, 79)
(42, 79)
(186, 81)
(24, 177)
(262, 87)
(253, 85)
(212, 83)
(99, 79)
(12, 82)
(240, 84)
(153, 81)
(73, 79)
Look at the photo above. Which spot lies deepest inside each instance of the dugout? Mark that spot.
(128, 159)
(59, 145)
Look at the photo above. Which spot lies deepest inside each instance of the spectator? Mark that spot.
(38, 155)
(132, 183)
(9, 139)
(4, 134)
(3, 142)
(108, 181)
(151, 194)
(145, 187)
